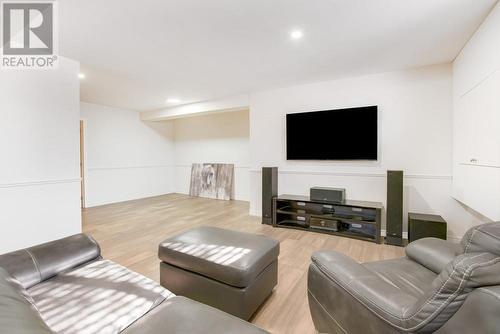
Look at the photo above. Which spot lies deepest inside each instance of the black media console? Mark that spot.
(355, 219)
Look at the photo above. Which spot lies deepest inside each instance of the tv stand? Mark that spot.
(353, 219)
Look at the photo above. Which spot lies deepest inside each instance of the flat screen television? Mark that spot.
(342, 134)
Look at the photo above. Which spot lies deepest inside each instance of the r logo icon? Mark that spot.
(28, 30)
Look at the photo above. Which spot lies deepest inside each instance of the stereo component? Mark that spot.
(361, 229)
(324, 194)
(269, 191)
(323, 224)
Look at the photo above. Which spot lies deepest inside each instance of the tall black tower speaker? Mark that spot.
(394, 228)
(269, 190)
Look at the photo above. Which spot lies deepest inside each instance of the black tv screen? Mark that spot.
(343, 134)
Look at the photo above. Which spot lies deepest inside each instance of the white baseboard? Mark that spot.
(255, 213)
(453, 239)
(383, 233)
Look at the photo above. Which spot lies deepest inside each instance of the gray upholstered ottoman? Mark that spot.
(232, 271)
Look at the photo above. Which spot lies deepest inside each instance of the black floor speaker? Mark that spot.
(269, 190)
(394, 228)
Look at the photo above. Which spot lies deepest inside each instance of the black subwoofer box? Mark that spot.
(426, 226)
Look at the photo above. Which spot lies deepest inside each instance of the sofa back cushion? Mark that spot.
(482, 238)
(17, 314)
(33, 265)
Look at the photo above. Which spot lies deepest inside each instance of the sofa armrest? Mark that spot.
(17, 313)
(432, 253)
(33, 265)
(180, 315)
(369, 290)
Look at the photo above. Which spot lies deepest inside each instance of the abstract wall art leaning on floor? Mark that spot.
(212, 181)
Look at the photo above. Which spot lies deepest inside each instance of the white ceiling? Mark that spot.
(136, 54)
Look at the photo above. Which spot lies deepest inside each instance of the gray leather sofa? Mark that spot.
(65, 286)
(438, 287)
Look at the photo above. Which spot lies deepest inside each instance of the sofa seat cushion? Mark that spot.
(344, 275)
(404, 274)
(98, 297)
(180, 315)
(230, 257)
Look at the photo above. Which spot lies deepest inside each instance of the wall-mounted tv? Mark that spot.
(342, 134)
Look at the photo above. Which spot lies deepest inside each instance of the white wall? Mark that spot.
(39, 145)
(415, 135)
(476, 96)
(218, 138)
(126, 158)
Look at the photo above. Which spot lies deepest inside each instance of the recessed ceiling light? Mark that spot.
(81, 75)
(296, 34)
(173, 100)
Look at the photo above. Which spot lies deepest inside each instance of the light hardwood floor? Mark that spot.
(129, 233)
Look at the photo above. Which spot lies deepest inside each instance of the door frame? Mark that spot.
(82, 164)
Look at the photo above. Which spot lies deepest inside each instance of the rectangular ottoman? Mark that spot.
(232, 271)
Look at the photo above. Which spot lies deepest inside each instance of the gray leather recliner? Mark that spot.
(438, 287)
